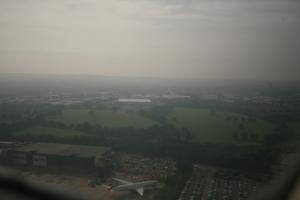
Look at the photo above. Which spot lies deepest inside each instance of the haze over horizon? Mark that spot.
(234, 39)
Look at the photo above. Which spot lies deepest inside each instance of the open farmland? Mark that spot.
(40, 130)
(104, 118)
(218, 128)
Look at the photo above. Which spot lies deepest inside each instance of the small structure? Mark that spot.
(60, 155)
(133, 100)
(5, 147)
(174, 97)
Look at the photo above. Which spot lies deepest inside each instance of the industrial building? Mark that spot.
(60, 155)
(133, 100)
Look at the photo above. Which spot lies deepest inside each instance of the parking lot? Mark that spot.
(204, 185)
(139, 167)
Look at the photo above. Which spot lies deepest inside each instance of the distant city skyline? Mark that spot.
(234, 39)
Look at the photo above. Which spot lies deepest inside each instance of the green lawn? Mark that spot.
(36, 131)
(215, 129)
(105, 118)
(295, 127)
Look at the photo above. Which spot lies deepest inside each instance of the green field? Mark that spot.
(295, 127)
(215, 129)
(204, 126)
(39, 130)
(105, 118)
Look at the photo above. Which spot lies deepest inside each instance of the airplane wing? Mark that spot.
(122, 181)
(140, 191)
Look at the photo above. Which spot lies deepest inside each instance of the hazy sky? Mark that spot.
(253, 39)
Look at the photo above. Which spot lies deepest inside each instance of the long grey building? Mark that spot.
(60, 155)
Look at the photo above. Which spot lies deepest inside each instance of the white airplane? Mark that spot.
(138, 186)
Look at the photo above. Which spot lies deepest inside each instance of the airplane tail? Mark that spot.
(140, 191)
(108, 187)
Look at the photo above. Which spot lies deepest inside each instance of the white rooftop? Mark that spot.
(124, 100)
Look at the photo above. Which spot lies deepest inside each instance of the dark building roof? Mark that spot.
(64, 149)
(6, 143)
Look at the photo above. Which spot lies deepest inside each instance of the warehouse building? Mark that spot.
(61, 155)
(133, 100)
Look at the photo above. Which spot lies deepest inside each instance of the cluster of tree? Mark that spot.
(173, 186)
(245, 136)
(15, 112)
(242, 120)
(157, 113)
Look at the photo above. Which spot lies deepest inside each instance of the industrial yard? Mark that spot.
(55, 166)
(93, 187)
(205, 183)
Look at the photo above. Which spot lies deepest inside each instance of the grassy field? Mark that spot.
(204, 126)
(105, 118)
(295, 127)
(49, 131)
(216, 129)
